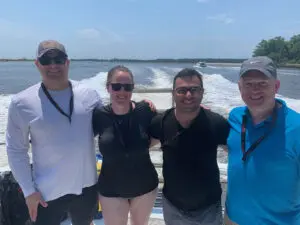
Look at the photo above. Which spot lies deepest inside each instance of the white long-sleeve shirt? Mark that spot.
(63, 153)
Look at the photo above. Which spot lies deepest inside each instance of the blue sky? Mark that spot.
(146, 28)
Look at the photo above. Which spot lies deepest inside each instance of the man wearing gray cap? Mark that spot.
(56, 115)
(263, 152)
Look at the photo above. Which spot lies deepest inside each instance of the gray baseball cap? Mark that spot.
(48, 45)
(260, 63)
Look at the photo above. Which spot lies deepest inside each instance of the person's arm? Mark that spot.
(97, 103)
(17, 146)
(97, 121)
(222, 130)
(155, 130)
(151, 105)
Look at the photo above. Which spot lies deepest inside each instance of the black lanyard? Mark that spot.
(71, 102)
(259, 140)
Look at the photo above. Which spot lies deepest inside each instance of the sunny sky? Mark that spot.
(145, 28)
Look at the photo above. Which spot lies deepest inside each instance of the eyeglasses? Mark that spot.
(192, 90)
(118, 86)
(46, 60)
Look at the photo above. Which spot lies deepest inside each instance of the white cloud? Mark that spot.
(104, 36)
(223, 18)
(203, 1)
(88, 33)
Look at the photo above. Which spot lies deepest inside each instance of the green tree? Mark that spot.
(294, 49)
(275, 48)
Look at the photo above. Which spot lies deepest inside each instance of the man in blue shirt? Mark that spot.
(263, 152)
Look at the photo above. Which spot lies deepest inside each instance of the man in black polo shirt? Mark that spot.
(189, 135)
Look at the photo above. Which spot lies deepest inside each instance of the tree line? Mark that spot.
(282, 51)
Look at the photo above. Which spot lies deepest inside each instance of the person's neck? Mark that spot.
(185, 118)
(120, 109)
(56, 85)
(260, 115)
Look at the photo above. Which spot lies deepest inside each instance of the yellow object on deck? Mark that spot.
(99, 165)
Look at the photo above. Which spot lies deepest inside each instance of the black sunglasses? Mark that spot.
(58, 60)
(118, 86)
(192, 90)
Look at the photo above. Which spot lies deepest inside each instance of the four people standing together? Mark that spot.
(61, 117)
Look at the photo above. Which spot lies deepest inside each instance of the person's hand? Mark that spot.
(32, 202)
(151, 105)
(204, 107)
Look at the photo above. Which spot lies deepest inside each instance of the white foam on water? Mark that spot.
(4, 102)
(222, 94)
(288, 72)
(97, 83)
(160, 80)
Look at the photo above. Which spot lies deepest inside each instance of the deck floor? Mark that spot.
(154, 221)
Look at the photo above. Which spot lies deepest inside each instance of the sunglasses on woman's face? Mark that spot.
(118, 87)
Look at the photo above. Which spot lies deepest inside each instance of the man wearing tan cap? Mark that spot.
(55, 115)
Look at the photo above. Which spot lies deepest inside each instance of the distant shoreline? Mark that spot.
(182, 60)
(211, 62)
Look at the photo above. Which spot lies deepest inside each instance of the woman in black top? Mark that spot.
(128, 180)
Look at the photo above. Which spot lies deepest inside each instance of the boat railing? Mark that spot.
(154, 90)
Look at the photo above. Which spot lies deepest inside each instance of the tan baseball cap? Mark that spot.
(48, 45)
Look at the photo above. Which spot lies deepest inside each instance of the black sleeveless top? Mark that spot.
(127, 170)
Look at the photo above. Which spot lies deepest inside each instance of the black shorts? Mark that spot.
(81, 208)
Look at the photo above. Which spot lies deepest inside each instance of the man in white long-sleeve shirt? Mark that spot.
(55, 115)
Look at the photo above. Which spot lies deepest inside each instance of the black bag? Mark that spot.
(13, 209)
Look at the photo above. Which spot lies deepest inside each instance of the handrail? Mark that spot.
(154, 90)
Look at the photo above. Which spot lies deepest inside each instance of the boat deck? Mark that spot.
(152, 221)
(155, 222)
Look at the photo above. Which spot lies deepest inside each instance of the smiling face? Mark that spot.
(120, 86)
(257, 90)
(53, 66)
(188, 93)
